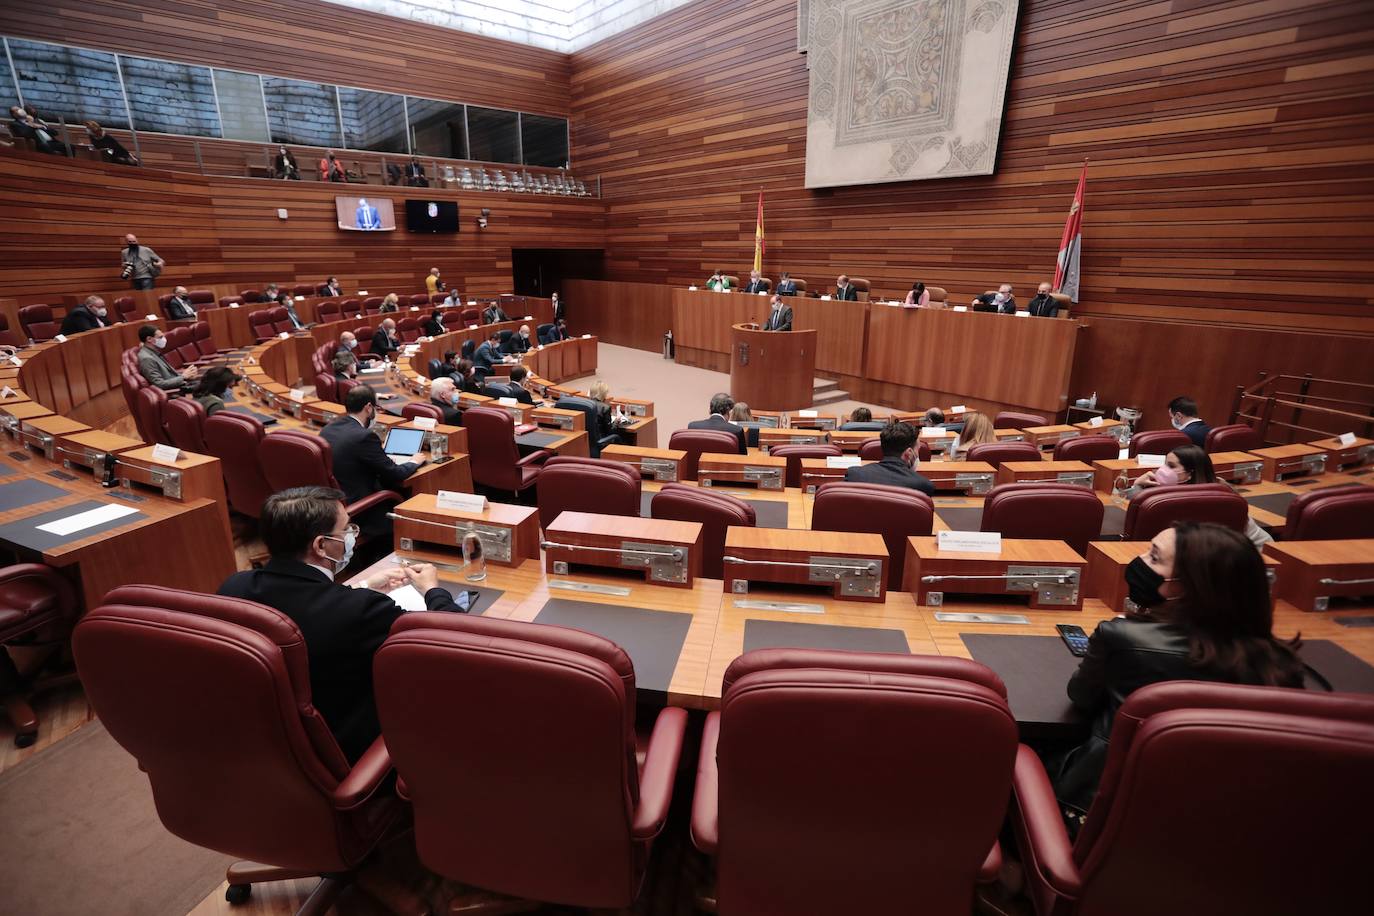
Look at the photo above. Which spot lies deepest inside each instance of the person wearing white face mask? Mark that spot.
(348, 347)
(1183, 416)
(443, 394)
(311, 540)
(87, 316)
(1189, 464)
(154, 367)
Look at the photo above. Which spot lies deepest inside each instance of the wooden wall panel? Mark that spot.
(309, 40)
(629, 314)
(1230, 145)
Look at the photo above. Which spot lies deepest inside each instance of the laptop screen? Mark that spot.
(400, 441)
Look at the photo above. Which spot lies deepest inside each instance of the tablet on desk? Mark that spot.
(402, 444)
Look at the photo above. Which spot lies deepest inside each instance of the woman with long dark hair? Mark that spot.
(211, 387)
(1190, 464)
(1205, 615)
(919, 295)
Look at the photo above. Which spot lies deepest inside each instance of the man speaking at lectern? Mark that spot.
(780, 318)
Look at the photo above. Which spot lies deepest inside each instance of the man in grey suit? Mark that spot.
(780, 317)
(154, 367)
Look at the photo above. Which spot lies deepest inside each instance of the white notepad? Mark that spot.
(408, 597)
(88, 519)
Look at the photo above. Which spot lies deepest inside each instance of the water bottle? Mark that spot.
(474, 558)
(1119, 488)
(438, 446)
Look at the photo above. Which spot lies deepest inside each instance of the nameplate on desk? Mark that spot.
(692, 289)
(233, 305)
(586, 337)
(1022, 314)
(1096, 421)
(6, 392)
(1149, 461)
(423, 422)
(472, 327)
(825, 298)
(284, 335)
(151, 317)
(1345, 438)
(167, 453)
(463, 502)
(960, 308)
(529, 318)
(372, 370)
(61, 338)
(969, 541)
(1123, 454)
(88, 519)
(414, 308)
(507, 402)
(362, 292)
(927, 431)
(808, 413)
(843, 461)
(297, 395)
(961, 408)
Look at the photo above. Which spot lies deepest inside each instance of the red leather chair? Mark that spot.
(184, 420)
(899, 827)
(251, 296)
(471, 316)
(437, 298)
(130, 382)
(1155, 509)
(126, 309)
(7, 337)
(504, 699)
(1338, 513)
(1233, 437)
(994, 453)
(496, 462)
(260, 323)
(894, 512)
(182, 341)
(322, 357)
(228, 301)
(794, 455)
(421, 409)
(149, 403)
(408, 329)
(587, 485)
(1087, 448)
(872, 450)
(716, 511)
(1196, 813)
(372, 305)
(37, 608)
(1157, 442)
(37, 322)
(329, 310)
(1010, 419)
(1045, 511)
(233, 438)
(419, 300)
(211, 696)
(352, 308)
(327, 387)
(696, 441)
(201, 297)
(281, 320)
(304, 289)
(204, 340)
(364, 334)
(290, 458)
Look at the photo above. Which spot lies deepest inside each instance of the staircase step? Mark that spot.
(823, 384)
(829, 397)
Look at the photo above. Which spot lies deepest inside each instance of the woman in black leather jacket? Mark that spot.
(1206, 617)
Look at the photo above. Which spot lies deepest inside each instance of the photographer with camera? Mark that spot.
(141, 263)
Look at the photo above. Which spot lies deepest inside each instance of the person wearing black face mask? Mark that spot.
(1200, 610)
(141, 264)
(360, 465)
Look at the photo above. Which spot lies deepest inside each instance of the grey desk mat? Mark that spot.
(1113, 521)
(1360, 473)
(25, 532)
(265, 419)
(1276, 503)
(537, 440)
(23, 493)
(768, 513)
(6, 470)
(971, 519)
(486, 597)
(787, 634)
(1036, 670)
(1304, 482)
(652, 639)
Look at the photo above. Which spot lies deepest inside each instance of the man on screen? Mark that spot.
(366, 217)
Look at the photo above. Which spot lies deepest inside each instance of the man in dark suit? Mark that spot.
(360, 465)
(560, 310)
(897, 469)
(559, 331)
(1183, 416)
(721, 405)
(331, 287)
(385, 343)
(415, 174)
(846, 290)
(310, 540)
(517, 388)
(87, 316)
(489, 353)
(1001, 302)
(493, 313)
(779, 316)
(756, 283)
(1042, 304)
(786, 285)
(518, 342)
(443, 394)
(180, 307)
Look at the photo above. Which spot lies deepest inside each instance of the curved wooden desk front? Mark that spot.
(772, 370)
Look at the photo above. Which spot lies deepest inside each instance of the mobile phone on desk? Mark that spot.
(1074, 638)
(468, 600)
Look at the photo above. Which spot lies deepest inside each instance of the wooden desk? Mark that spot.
(774, 370)
(1312, 573)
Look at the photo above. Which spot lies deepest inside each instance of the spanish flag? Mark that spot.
(1066, 270)
(758, 238)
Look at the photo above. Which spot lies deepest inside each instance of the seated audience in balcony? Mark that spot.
(284, 166)
(211, 388)
(111, 150)
(331, 169)
(415, 174)
(25, 126)
(331, 287)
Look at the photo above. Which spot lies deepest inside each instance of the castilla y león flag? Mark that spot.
(758, 238)
(1071, 246)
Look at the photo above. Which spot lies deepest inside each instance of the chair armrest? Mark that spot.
(371, 500)
(537, 457)
(660, 769)
(367, 774)
(992, 865)
(1045, 845)
(706, 799)
(66, 594)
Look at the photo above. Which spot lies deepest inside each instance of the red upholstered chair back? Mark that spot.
(1155, 509)
(421, 409)
(1011, 419)
(327, 387)
(872, 449)
(344, 386)
(205, 343)
(364, 334)
(994, 453)
(352, 308)
(201, 297)
(696, 441)
(716, 512)
(127, 309)
(894, 512)
(471, 316)
(38, 323)
(211, 695)
(587, 485)
(1087, 448)
(149, 403)
(408, 329)
(794, 455)
(1233, 437)
(329, 310)
(281, 320)
(1202, 772)
(227, 301)
(1157, 442)
(322, 357)
(372, 305)
(260, 323)
(233, 438)
(130, 381)
(499, 700)
(7, 337)
(862, 286)
(182, 341)
(1338, 513)
(1045, 511)
(303, 289)
(295, 459)
(250, 295)
(184, 419)
(899, 826)
(420, 300)
(491, 447)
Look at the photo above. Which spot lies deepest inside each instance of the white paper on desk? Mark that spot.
(959, 409)
(373, 370)
(507, 402)
(414, 308)
(808, 413)
(929, 431)
(6, 392)
(1149, 461)
(529, 317)
(586, 337)
(692, 288)
(1096, 421)
(283, 335)
(362, 292)
(61, 338)
(843, 461)
(409, 598)
(1023, 314)
(423, 422)
(88, 519)
(151, 317)
(1347, 439)
(969, 541)
(297, 395)
(463, 502)
(233, 305)
(1123, 454)
(826, 298)
(300, 298)
(167, 453)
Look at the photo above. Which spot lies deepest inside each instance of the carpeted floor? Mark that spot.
(81, 836)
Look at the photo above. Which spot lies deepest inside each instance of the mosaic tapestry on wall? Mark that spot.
(905, 89)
